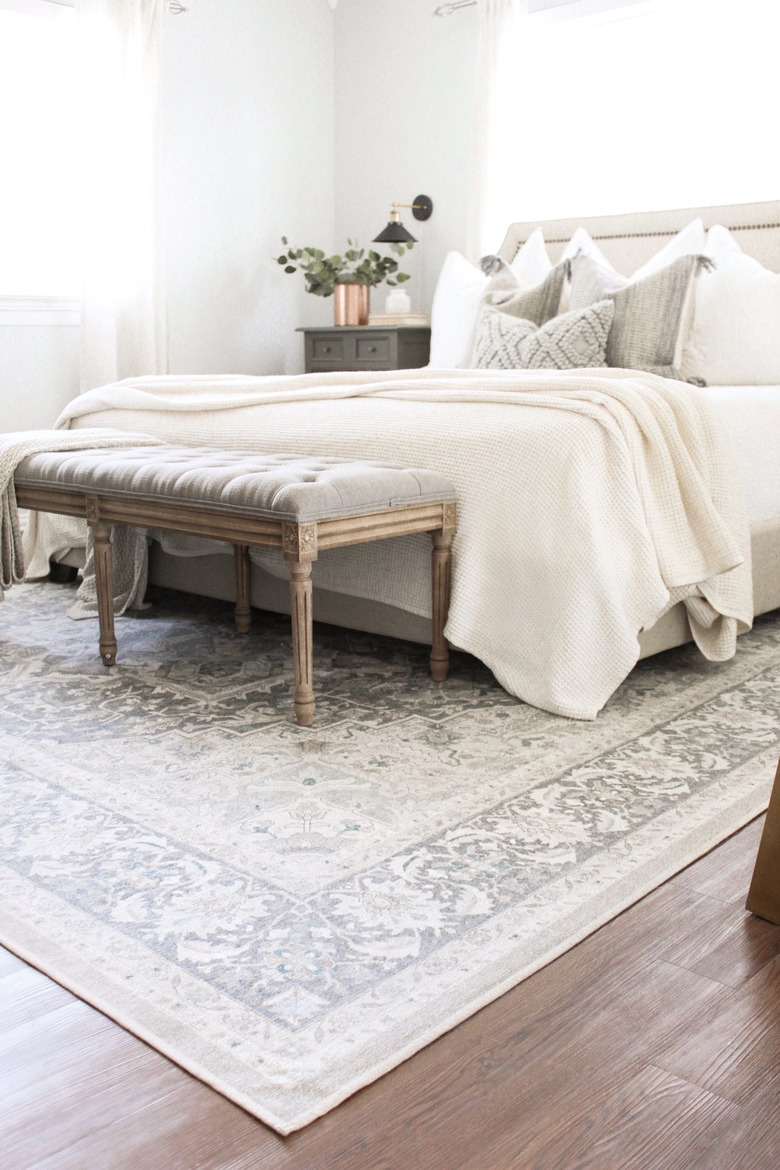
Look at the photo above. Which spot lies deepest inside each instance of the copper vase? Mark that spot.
(350, 304)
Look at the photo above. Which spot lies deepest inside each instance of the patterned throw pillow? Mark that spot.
(537, 304)
(652, 314)
(575, 340)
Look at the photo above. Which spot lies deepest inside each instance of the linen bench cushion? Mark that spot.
(281, 487)
(297, 504)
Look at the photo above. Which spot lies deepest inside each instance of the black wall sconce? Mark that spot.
(395, 232)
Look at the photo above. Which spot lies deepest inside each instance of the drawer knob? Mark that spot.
(326, 348)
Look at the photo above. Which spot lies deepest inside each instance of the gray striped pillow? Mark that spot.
(652, 315)
(538, 304)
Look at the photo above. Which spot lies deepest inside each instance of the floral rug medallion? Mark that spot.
(288, 913)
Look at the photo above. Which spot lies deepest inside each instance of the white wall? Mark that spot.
(281, 117)
(248, 144)
(39, 371)
(248, 124)
(404, 97)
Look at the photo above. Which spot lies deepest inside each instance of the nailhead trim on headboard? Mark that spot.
(739, 227)
(753, 227)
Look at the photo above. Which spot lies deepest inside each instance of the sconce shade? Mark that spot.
(395, 232)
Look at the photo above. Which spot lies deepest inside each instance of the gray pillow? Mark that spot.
(538, 304)
(575, 340)
(651, 315)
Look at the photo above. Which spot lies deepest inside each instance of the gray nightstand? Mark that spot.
(366, 347)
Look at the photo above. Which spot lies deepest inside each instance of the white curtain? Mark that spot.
(497, 31)
(124, 330)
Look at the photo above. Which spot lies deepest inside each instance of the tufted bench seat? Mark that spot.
(299, 505)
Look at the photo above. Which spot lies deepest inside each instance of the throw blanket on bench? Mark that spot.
(590, 503)
(129, 552)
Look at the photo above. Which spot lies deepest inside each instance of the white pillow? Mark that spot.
(690, 241)
(735, 337)
(582, 241)
(458, 295)
(454, 311)
(532, 264)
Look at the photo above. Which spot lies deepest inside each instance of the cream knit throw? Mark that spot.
(15, 447)
(589, 503)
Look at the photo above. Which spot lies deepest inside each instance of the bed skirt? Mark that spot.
(213, 576)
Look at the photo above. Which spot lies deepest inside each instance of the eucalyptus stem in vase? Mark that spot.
(347, 277)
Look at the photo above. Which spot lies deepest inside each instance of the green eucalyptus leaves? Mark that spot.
(357, 266)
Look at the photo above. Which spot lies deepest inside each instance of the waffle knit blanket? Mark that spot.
(15, 447)
(589, 503)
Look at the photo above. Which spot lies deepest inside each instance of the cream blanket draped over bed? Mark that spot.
(589, 503)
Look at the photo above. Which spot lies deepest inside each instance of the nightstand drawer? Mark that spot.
(363, 347)
(372, 349)
(330, 349)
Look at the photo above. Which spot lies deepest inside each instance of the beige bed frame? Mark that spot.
(627, 241)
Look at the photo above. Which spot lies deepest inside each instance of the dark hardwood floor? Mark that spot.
(654, 1044)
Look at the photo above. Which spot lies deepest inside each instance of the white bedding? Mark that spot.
(751, 418)
(578, 526)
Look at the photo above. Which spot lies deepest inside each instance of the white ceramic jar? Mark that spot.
(397, 302)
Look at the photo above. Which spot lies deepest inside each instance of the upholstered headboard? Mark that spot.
(631, 239)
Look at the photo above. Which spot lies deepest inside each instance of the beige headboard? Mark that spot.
(629, 240)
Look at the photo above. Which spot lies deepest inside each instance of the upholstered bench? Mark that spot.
(298, 505)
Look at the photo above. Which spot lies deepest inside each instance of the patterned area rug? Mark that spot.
(290, 913)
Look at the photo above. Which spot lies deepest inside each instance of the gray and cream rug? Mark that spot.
(289, 913)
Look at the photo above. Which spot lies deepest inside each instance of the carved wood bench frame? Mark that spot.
(299, 542)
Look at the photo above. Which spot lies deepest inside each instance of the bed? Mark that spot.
(751, 414)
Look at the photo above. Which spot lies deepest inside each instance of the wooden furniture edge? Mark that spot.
(299, 541)
(764, 895)
(234, 525)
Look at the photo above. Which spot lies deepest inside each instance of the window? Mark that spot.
(612, 105)
(39, 253)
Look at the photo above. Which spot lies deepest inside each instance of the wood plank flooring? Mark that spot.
(654, 1045)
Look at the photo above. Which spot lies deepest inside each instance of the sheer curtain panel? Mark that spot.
(124, 329)
(498, 30)
(596, 107)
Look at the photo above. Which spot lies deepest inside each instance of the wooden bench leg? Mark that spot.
(440, 576)
(301, 611)
(104, 584)
(764, 895)
(243, 611)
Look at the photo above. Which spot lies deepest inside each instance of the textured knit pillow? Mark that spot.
(652, 314)
(572, 341)
(538, 304)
